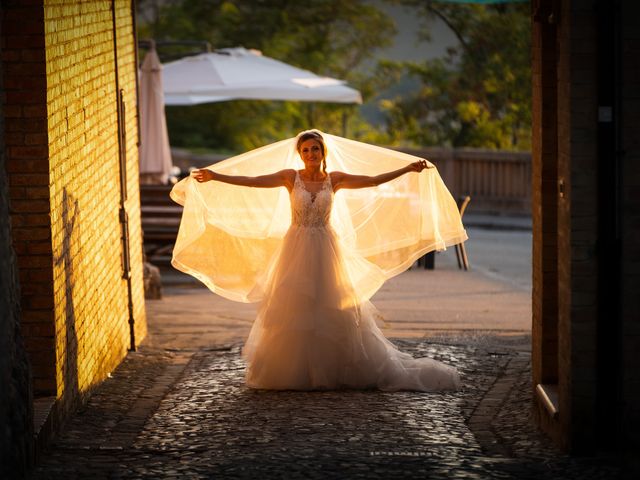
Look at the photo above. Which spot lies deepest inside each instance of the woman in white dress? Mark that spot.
(315, 327)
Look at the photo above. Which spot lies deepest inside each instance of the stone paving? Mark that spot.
(186, 414)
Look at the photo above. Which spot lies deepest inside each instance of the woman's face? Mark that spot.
(311, 153)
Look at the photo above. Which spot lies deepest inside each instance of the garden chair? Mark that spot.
(461, 253)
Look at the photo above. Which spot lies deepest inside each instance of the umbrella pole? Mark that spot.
(310, 115)
(345, 121)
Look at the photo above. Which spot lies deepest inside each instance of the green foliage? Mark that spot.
(479, 94)
(328, 37)
(476, 95)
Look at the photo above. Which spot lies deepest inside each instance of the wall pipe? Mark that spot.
(122, 157)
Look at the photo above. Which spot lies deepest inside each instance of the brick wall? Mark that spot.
(25, 81)
(630, 117)
(15, 377)
(544, 204)
(565, 270)
(578, 219)
(91, 300)
(128, 70)
(598, 220)
(63, 166)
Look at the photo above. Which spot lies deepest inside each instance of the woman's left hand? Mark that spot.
(419, 165)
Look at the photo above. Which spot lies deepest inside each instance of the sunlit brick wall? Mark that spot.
(127, 74)
(91, 301)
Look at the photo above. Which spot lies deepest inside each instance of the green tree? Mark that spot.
(479, 94)
(328, 37)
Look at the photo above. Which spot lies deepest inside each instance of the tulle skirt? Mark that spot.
(312, 333)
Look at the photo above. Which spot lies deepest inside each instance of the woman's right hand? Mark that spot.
(419, 165)
(202, 175)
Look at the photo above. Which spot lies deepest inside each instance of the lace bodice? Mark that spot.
(310, 209)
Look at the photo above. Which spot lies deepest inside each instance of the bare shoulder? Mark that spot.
(288, 175)
(336, 176)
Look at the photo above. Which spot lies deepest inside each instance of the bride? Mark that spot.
(315, 327)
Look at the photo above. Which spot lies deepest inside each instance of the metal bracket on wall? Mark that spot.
(548, 394)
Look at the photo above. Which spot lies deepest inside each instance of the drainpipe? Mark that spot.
(137, 60)
(122, 157)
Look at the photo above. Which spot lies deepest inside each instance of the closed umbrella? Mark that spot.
(238, 73)
(155, 154)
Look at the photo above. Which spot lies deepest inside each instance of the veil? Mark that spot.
(229, 234)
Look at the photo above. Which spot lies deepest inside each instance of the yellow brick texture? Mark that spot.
(91, 313)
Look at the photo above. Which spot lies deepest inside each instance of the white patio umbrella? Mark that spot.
(155, 154)
(238, 73)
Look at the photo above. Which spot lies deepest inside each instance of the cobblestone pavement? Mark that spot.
(189, 415)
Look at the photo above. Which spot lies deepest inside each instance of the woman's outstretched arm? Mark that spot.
(345, 180)
(283, 178)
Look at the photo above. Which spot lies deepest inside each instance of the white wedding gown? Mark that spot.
(311, 331)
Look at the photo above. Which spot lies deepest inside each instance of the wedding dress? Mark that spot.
(313, 261)
(311, 331)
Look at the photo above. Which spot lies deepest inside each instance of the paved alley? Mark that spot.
(178, 408)
(175, 415)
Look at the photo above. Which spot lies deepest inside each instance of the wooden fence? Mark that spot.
(498, 182)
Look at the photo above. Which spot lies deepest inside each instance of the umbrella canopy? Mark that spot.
(155, 154)
(238, 73)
